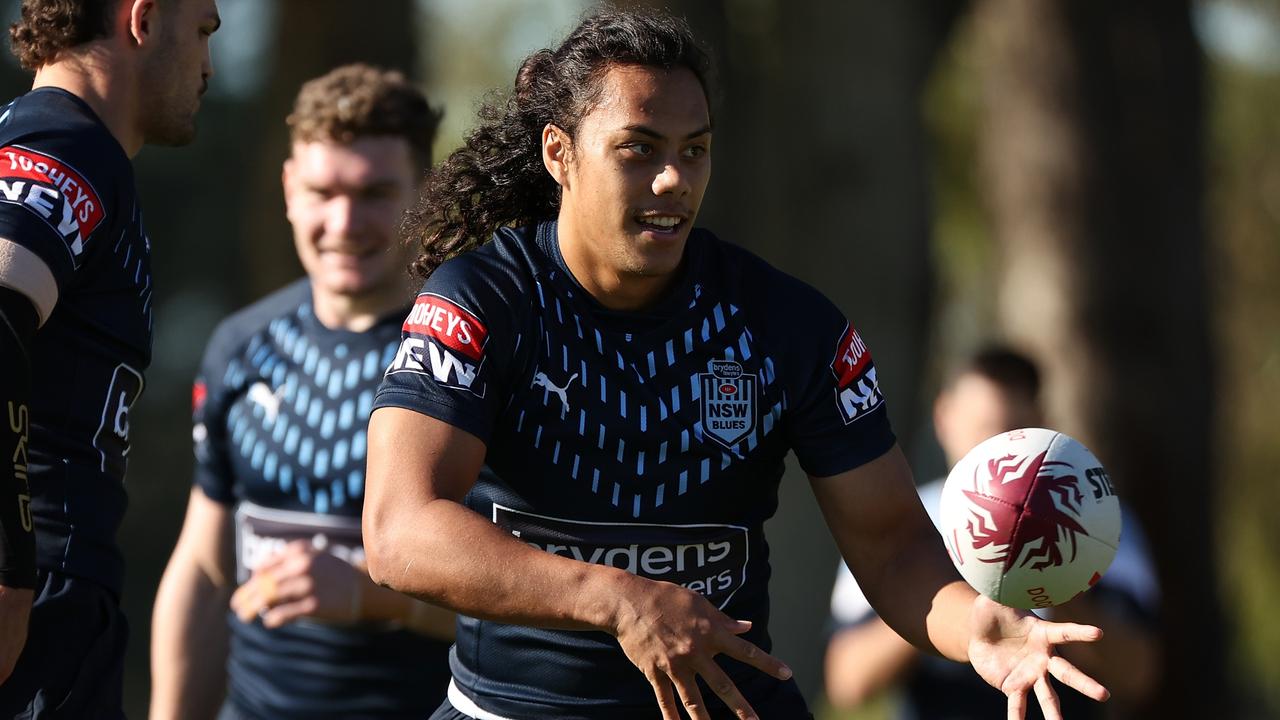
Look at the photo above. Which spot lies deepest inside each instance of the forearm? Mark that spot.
(888, 541)
(188, 644)
(863, 661)
(379, 603)
(450, 556)
(922, 597)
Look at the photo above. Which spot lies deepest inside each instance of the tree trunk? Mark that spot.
(1092, 143)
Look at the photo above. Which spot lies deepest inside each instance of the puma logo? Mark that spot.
(540, 379)
(261, 395)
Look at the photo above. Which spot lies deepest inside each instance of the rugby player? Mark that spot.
(75, 326)
(281, 405)
(581, 436)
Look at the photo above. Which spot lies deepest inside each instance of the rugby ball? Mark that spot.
(1030, 518)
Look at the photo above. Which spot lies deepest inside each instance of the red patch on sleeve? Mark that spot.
(81, 209)
(448, 324)
(851, 358)
(199, 393)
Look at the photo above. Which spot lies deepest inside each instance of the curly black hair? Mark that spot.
(497, 178)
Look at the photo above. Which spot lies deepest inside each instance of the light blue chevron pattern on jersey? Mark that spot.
(301, 420)
(605, 414)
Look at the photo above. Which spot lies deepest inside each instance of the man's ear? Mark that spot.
(141, 19)
(555, 153)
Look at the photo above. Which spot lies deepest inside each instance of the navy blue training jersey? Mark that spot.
(281, 408)
(72, 240)
(652, 442)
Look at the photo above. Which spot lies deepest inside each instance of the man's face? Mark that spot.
(638, 168)
(973, 409)
(176, 71)
(344, 203)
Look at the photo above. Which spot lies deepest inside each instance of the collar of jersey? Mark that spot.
(84, 109)
(642, 322)
(319, 332)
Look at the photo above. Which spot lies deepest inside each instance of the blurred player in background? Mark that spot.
(995, 391)
(281, 403)
(582, 434)
(75, 326)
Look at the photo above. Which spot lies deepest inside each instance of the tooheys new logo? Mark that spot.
(444, 340)
(708, 559)
(857, 391)
(54, 191)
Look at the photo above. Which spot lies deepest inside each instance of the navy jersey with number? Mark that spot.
(281, 408)
(72, 240)
(652, 442)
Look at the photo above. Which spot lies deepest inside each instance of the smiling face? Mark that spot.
(344, 203)
(632, 180)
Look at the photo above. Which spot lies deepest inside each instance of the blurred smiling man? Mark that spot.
(75, 326)
(281, 404)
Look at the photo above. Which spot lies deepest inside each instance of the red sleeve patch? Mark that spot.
(53, 190)
(857, 390)
(445, 341)
(447, 323)
(851, 357)
(199, 393)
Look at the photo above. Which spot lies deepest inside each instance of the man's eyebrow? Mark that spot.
(646, 130)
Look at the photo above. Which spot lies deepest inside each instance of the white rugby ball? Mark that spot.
(1030, 518)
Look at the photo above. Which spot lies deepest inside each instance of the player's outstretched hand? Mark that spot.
(15, 613)
(1013, 650)
(672, 634)
(300, 581)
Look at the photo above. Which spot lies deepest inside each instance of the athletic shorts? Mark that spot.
(73, 662)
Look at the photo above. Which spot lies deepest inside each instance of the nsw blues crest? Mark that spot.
(728, 402)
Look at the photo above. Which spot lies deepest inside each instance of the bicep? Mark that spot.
(416, 464)
(415, 459)
(870, 510)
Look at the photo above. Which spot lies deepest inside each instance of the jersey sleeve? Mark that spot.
(50, 208)
(210, 400)
(837, 419)
(457, 346)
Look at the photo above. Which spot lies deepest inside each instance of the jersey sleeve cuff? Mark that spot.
(448, 414)
(842, 455)
(214, 489)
